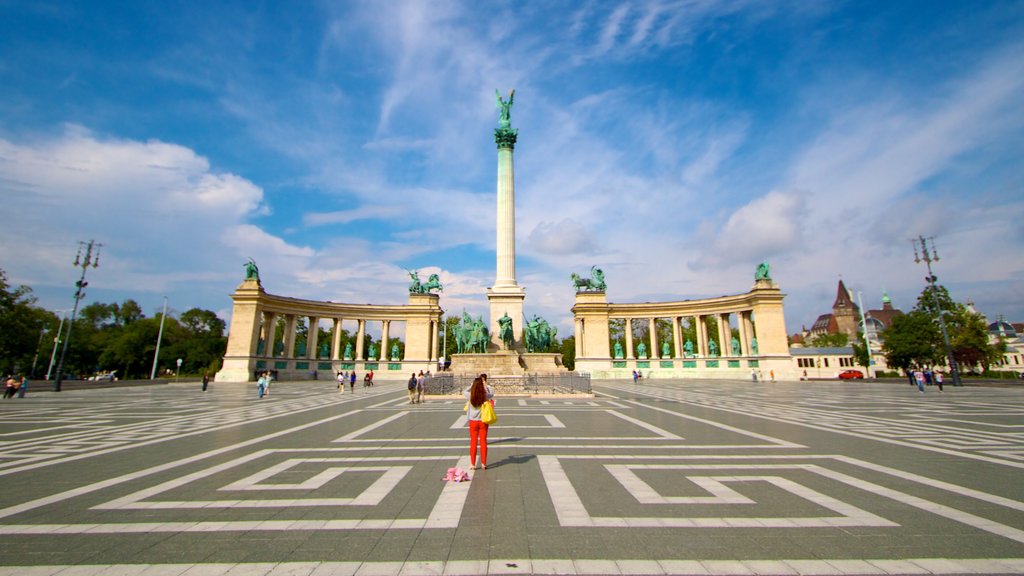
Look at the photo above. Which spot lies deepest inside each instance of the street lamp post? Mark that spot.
(79, 294)
(56, 342)
(931, 279)
(159, 337)
(867, 338)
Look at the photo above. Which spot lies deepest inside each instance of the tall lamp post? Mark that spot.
(94, 261)
(159, 337)
(931, 279)
(56, 341)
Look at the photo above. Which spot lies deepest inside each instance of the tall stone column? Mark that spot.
(269, 333)
(506, 296)
(677, 337)
(741, 323)
(654, 353)
(312, 337)
(702, 336)
(385, 352)
(630, 354)
(724, 335)
(336, 340)
(289, 336)
(360, 338)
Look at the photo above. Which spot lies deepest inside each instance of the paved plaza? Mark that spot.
(665, 477)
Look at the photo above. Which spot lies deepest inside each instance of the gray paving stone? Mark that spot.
(834, 478)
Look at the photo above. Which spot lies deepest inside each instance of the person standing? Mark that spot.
(412, 388)
(261, 385)
(938, 380)
(341, 382)
(206, 380)
(421, 380)
(477, 394)
(352, 381)
(24, 387)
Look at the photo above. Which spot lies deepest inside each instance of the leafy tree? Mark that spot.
(969, 341)
(21, 327)
(568, 349)
(860, 354)
(910, 341)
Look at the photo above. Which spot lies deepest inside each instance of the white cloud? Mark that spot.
(562, 238)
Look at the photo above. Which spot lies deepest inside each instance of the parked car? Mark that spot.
(851, 375)
(105, 377)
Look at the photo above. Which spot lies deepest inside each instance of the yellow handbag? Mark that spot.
(487, 415)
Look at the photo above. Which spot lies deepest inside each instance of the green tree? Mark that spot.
(568, 349)
(22, 324)
(969, 341)
(910, 341)
(860, 354)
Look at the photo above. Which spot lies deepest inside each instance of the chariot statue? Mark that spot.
(417, 287)
(595, 283)
(762, 272)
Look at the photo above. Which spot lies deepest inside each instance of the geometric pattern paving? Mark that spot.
(687, 477)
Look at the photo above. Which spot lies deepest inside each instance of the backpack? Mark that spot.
(412, 383)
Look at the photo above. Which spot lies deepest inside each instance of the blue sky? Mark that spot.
(675, 144)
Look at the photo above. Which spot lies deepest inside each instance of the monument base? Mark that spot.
(507, 363)
(503, 363)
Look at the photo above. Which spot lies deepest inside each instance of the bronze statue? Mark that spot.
(252, 272)
(762, 272)
(595, 283)
(505, 116)
(506, 332)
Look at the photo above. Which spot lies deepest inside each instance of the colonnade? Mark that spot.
(255, 316)
(760, 324)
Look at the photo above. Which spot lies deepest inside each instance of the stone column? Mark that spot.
(289, 335)
(360, 339)
(702, 336)
(630, 355)
(336, 340)
(741, 321)
(312, 338)
(677, 337)
(269, 333)
(578, 324)
(432, 345)
(652, 324)
(748, 321)
(385, 333)
(724, 335)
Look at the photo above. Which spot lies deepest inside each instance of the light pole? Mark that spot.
(867, 339)
(56, 341)
(159, 337)
(931, 278)
(79, 294)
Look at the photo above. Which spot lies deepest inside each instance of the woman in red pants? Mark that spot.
(477, 394)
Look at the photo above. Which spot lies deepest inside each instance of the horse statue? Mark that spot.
(539, 335)
(417, 287)
(479, 336)
(762, 272)
(595, 283)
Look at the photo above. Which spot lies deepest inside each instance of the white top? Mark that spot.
(474, 411)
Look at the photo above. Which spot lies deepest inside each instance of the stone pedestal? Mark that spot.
(508, 300)
(503, 363)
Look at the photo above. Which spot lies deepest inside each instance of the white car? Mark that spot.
(105, 377)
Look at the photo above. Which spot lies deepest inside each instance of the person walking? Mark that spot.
(919, 378)
(412, 388)
(938, 380)
(206, 380)
(24, 387)
(261, 385)
(341, 382)
(352, 381)
(421, 381)
(476, 395)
